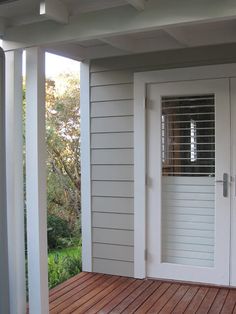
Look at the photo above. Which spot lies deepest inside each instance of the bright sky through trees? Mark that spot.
(56, 65)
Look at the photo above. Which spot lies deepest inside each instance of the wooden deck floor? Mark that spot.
(97, 293)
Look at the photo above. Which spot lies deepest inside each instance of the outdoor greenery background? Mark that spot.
(63, 177)
(63, 180)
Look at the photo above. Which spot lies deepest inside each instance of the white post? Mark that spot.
(85, 167)
(4, 278)
(15, 194)
(36, 181)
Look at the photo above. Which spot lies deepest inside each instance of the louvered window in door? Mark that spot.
(188, 179)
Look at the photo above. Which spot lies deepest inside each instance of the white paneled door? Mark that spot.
(188, 190)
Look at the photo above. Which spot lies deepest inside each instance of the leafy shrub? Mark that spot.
(73, 265)
(56, 273)
(62, 265)
(59, 233)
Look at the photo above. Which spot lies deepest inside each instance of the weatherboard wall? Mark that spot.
(112, 148)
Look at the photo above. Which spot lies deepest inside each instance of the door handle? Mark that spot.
(225, 184)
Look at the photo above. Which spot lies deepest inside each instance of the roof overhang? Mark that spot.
(124, 29)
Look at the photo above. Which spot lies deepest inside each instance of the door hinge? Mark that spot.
(145, 254)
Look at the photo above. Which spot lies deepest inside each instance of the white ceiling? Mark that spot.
(19, 8)
(171, 38)
(23, 12)
(29, 9)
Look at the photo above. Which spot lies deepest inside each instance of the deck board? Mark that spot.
(93, 293)
(135, 304)
(128, 299)
(112, 302)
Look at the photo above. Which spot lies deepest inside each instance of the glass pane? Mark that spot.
(188, 187)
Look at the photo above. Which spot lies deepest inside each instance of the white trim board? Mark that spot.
(85, 167)
(14, 167)
(141, 79)
(4, 273)
(233, 179)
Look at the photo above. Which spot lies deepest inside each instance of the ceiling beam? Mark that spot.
(54, 10)
(72, 51)
(119, 21)
(137, 4)
(84, 6)
(78, 53)
(178, 34)
(119, 42)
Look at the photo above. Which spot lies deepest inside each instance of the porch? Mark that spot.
(115, 40)
(99, 293)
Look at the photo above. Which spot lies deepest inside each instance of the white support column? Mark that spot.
(36, 181)
(4, 278)
(85, 167)
(15, 195)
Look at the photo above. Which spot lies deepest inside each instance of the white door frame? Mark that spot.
(233, 187)
(141, 80)
(218, 273)
(4, 274)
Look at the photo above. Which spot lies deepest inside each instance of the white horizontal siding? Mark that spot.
(113, 236)
(111, 251)
(113, 221)
(113, 267)
(112, 124)
(113, 205)
(114, 77)
(112, 140)
(113, 172)
(112, 108)
(112, 92)
(112, 156)
(114, 188)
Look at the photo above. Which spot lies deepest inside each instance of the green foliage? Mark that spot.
(63, 163)
(59, 232)
(63, 177)
(63, 264)
(63, 144)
